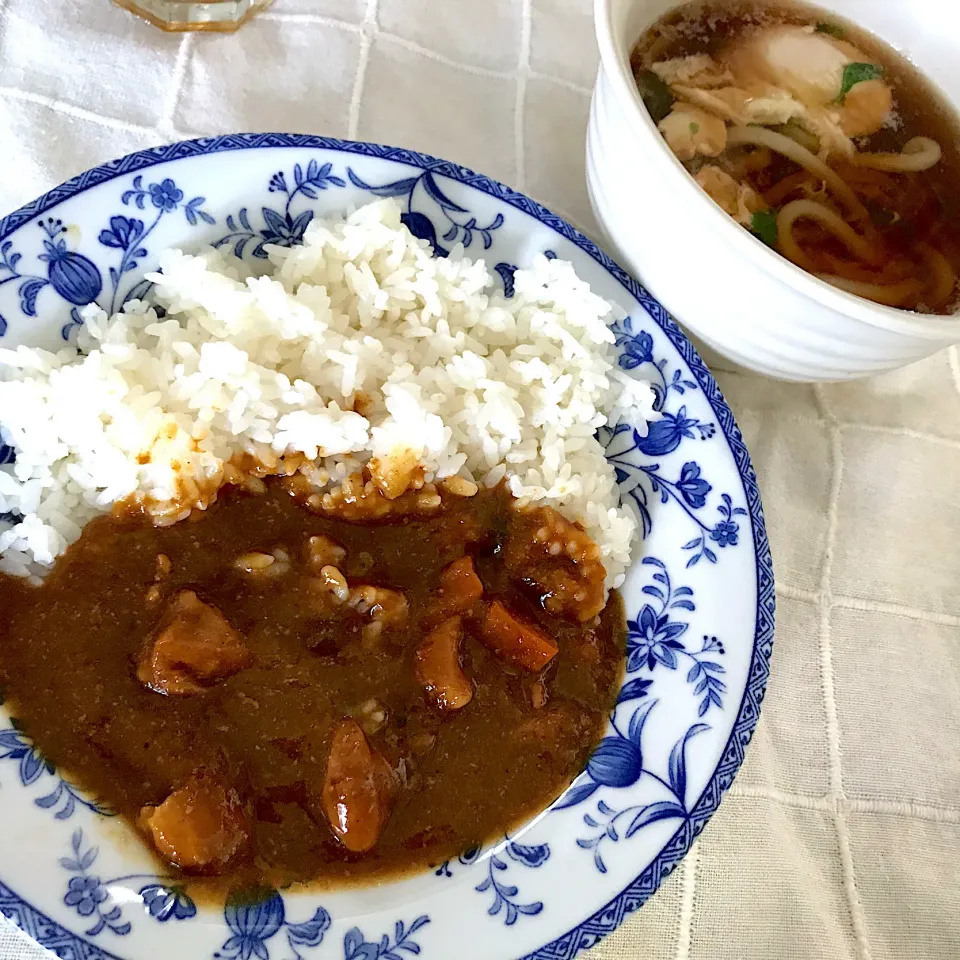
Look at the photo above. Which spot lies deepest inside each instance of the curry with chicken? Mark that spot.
(291, 688)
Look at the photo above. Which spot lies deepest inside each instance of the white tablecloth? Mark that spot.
(841, 837)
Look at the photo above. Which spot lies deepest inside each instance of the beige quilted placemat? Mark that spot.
(841, 837)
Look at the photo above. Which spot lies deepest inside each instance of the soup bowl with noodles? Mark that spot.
(827, 201)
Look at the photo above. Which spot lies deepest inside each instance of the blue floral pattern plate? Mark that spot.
(699, 596)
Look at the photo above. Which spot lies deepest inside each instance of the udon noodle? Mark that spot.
(818, 139)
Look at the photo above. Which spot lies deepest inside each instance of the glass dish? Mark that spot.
(224, 16)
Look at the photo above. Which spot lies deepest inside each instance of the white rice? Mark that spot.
(473, 383)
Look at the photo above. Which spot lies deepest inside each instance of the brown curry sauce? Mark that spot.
(82, 668)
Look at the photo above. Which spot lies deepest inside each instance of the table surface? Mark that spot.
(841, 836)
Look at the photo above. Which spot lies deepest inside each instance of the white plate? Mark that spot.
(699, 597)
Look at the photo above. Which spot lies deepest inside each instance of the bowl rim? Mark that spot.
(944, 329)
(609, 917)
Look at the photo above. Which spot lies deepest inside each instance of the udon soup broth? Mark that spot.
(816, 137)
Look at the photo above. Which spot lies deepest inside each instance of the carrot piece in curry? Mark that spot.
(515, 640)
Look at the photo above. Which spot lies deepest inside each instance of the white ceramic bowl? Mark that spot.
(738, 297)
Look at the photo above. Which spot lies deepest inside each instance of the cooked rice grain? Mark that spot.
(441, 364)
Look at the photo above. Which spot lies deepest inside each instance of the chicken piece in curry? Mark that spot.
(293, 688)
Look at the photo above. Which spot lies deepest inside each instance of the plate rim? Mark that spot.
(608, 918)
